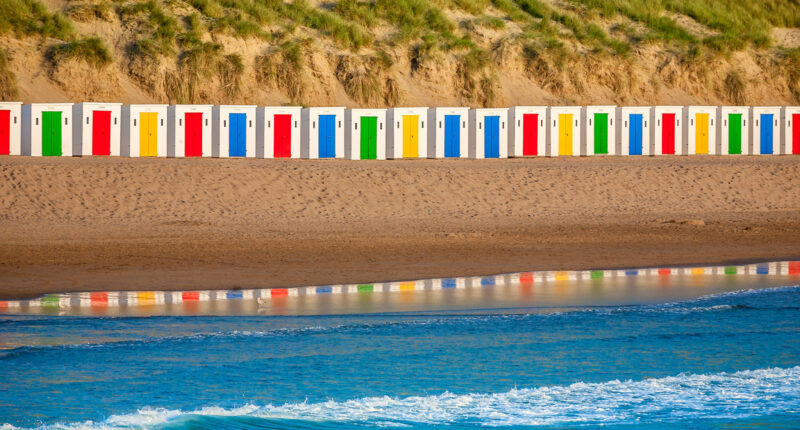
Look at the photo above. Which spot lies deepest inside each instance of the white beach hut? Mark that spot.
(144, 130)
(278, 132)
(667, 126)
(407, 136)
(599, 130)
(365, 134)
(233, 131)
(10, 128)
(790, 117)
(47, 129)
(448, 133)
(565, 131)
(634, 130)
(766, 130)
(700, 129)
(189, 131)
(322, 132)
(488, 133)
(734, 130)
(527, 131)
(97, 128)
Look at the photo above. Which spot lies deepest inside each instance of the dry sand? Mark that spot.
(74, 224)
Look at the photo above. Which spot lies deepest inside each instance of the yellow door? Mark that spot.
(701, 134)
(410, 136)
(565, 134)
(148, 134)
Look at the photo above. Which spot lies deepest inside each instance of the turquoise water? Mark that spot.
(724, 359)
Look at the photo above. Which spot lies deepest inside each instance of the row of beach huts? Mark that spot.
(66, 129)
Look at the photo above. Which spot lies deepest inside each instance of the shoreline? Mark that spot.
(545, 289)
(99, 224)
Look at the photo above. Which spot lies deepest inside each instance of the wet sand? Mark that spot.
(150, 224)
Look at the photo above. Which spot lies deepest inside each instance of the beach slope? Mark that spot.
(86, 224)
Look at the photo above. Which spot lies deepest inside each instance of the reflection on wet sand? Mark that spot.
(546, 290)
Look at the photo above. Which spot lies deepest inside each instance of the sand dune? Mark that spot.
(106, 223)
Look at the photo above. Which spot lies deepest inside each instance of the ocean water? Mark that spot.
(721, 360)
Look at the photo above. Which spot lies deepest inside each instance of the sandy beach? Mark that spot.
(88, 224)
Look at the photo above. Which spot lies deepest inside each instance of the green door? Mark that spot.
(735, 133)
(601, 133)
(369, 137)
(51, 133)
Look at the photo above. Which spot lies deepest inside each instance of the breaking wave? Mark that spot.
(673, 399)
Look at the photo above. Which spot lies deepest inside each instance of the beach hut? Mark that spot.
(599, 131)
(667, 133)
(278, 132)
(448, 132)
(10, 128)
(189, 130)
(144, 131)
(766, 131)
(734, 130)
(527, 132)
(47, 129)
(634, 130)
(565, 131)
(365, 134)
(791, 129)
(323, 132)
(700, 129)
(488, 133)
(97, 128)
(407, 137)
(234, 131)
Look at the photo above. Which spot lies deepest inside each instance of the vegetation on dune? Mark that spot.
(284, 68)
(84, 12)
(791, 63)
(179, 43)
(8, 82)
(91, 50)
(31, 18)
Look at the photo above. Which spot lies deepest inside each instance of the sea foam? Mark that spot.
(726, 396)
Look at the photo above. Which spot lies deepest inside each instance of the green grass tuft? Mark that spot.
(490, 22)
(735, 86)
(284, 68)
(91, 50)
(30, 17)
(86, 12)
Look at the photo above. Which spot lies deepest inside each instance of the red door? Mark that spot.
(283, 136)
(668, 133)
(796, 133)
(194, 134)
(5, 132)
(101, 132)
(530, 134)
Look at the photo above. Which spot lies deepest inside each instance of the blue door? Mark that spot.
(766, 133)
(237, 135)
(452, 135)
(491, 137)
(635, 134)
(327, 136)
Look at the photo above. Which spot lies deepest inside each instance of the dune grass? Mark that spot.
(284, 67)
(790, 63)
(162, 27)
(32, 18)
(8, 80)
(91, 50)
(552, 34)
(737, 24)
(86, 12)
